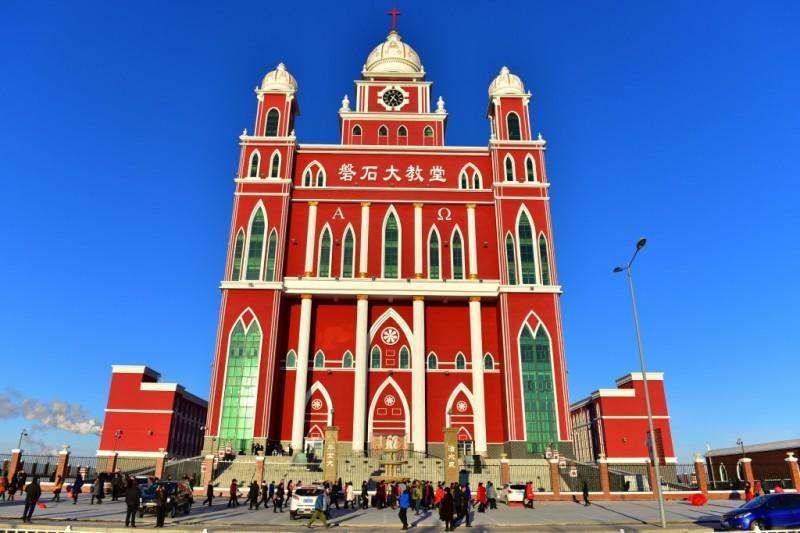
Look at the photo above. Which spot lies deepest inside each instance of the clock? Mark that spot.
(393, 98)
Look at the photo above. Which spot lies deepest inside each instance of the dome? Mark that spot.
(279, 80)
(392, 57)
(506, 84)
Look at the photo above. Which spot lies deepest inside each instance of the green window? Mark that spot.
(375, 358)
(356, 130)
(348, 254)
(391, 248)
(463, 182)
(461, 362)
(402, 131)
(320, 178)
(433, 256)
(324, 270)
(544, 261)
(403, 357)
(256, 248)
(237, 256)
(458, 256)
(476, 180)
(511, 256)
(512, 119)
(428, 131)
(488, 362)
(272, 123)
(537, 390)
(271, 249)
(241, 382)
(319, 360)
(433, 363)
(509, 168)
(275, 167)
(307, 179)
(382, 131)
(254, 160)
(527, 258)
(530, 171)
(291, 359)
(347, 360)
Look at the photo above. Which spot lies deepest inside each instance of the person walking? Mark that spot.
(161, 505)
(3, 486)
(586, 494)
(32, 494)
(57, 487)
(252, 495)
(76, 488)
(12, 487)
(446, 509)
(364, 495)
(405, 503)
(209, 494)
(233, 499)
(481, 498)
(116, 486)
(132, 495)
(491, 495)
(748, 492)
(269, 495)
(418, 501)
(319, 511)
(529, 495)
(22, 477)
(349, 496)
(277, 502)
(97, 490)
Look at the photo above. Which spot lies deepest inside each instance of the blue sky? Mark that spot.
(678, 121)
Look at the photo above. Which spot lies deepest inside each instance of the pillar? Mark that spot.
(794, 469)
(418, 243)
(360, 379)
(450, 455)
(473, 243)
(555, 477)
(418, 376)
(476, 349)
(311, 234)
(364, 247)
(111, 462)
(505, 469)
(605, 484)
(160, 463)
(700, 473)
(301, 374)
(651, 476)
(330, 461)
(747, 468)
(259, 477)
(63, 463)
(13, 462)
(207, 470)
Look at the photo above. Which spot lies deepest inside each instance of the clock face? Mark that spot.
(393, 98)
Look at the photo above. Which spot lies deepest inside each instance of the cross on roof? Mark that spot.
(394, 13)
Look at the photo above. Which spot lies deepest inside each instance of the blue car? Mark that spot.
(770, 511)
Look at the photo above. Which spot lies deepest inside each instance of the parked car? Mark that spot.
(513, 493)
(771, 511)
(179, 497)
(303, 499)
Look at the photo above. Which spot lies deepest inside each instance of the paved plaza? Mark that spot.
(631, 516)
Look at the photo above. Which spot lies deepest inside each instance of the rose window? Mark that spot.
(389, 400)
(390, 335)
(461, 406)
(316, 404)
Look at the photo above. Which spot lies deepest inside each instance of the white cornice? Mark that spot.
(135, 369)
(373, 148)
(392, 115)
(637, 376)
(505, 143)
(271, 141)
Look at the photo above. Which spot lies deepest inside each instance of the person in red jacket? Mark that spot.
(233, 501)
(481, 498)
(529, 495)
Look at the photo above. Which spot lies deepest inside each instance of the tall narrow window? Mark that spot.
(272, 123)
(375, 358)
(402, 135)
(458, 256)
(272, 246)
(403, 357)
(537, 389)
(512, 119)
(461, 362)
(488, 362)
(544, 261)
(511, 259)
(527, 258)
(324, 269)
(433, 362)
(275, 167)
(391, 248)
(256, 249)
(509, 168)
(476, 180)
(241, 383)
(530, 169)
(348, 254)
(237, 256)
(291, 359)
(356, 134)
(433, 256)
(463, 182)
(428, 131)
(319, 360)
(320, 178)
(254, 161)
(307, 179)
(383, 135)
(347, 360)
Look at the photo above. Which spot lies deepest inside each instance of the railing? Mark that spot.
(539, 475)
(772, 474)
(183, 468)
(675, 477)
(87, 466)
(629, 477)
(474, 471)
(43, 466)
(726, 484)
(585, 473)
(136, 466)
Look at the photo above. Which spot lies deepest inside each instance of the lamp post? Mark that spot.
(652, 441)
(22, 434)
(740, 442)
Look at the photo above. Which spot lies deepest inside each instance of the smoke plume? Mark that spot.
(54, 415)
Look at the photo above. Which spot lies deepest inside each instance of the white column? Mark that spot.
(473, 245)
(364, 249)
(311, 234)
(418, 241)
(360, 385)
(476, 347)
(418, 376)
(301, 374)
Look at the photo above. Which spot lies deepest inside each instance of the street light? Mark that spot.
(23, 433)
(740, 442)
(652, 441)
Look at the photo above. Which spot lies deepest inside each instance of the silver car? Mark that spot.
(303, 500)
(512, 493)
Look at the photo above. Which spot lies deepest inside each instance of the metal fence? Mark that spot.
(771, 474)
(183, 468)
(539, 475)
(87, 466)
(574, 475)
(137, 466)
(675, 477)
(357, 469)
(43, 466)
(474, 471)
(629, 477)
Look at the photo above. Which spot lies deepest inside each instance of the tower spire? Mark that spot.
(394, 13)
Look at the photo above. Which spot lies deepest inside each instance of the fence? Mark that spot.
(87, 466)
(678, 477)
(181, 468)
(137, 466)
(476, 470)
(575, 475)
(539, 475)
(43, 466)
(771, 474)
(629, 477)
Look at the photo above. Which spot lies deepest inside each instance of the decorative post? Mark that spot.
(605, 484)
(160, 461)
(555, 477)
(111, 462)
(505, 469)
(329, 468)
(700, 473)
(260, 468)
(747, 468)
(63, 462)
(13, 463)
(451, 455)
(208, 469)
(651, 476)
(794, 469)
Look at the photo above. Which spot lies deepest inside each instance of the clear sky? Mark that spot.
(678, 121)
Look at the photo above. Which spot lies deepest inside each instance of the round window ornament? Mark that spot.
(389, 400)
(461, 406)
(390, 335)
(316, 404)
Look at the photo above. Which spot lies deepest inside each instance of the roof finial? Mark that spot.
(394, 13)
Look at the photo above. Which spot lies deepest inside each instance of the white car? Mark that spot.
(513, 493)
(303, 499)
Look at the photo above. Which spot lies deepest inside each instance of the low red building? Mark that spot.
(613, 422)
(144, 416)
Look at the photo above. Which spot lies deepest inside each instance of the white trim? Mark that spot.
(464, 276)
(308, 168)
(266, 120)
(317, 386)
(524, 209)
(470, 183)
(370, 367)
(242, 258)
(272, 232)
(455, 361)
(391, 210)
(516, 262)
(637, 376)
(271, 158)
(547, 256)
(494, 363)
(513, 169)
(352, 361)
(427, 367)
(349, 228)
(508, 128)
(314, 361)
(325, 228)
(286, 360)
(434, 230)
(135, 369)
(614, 393)
(148, 411)
(534, 330)
(254, 153)
(448, 405)
(390, 313)
(246, 256)
(530, 158)
(129, 453)
(389, 381)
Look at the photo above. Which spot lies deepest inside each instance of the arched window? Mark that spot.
(391, 247)
(530, 169)
(275, 166)
(237, 256)
(723, 472)
(527, 259)
(427, 132)
(347, 360)
(402, 135)
(509, 168)
(254, 162)
(319, 360)
(463, 181)
(375, 358)
(272, 245)
(272, 123)
(383, 135)
(512, 119)
(488, 362)
(511, 255)
(433, 362)
(537, 389)
(320, 177)
(324, 269)
(291, 359)
(434, 261)
(476, 180)
(461, 361)
(403, 357)
(307, 178)
(457, 249)
(255, 250)
(241, 383)
(544, 261)
(348, 253)
(356, 131)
